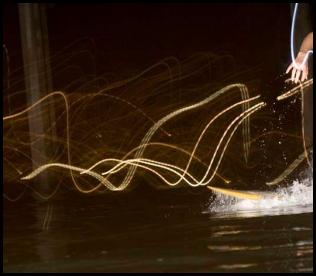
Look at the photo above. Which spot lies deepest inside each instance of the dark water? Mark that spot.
(153, 231)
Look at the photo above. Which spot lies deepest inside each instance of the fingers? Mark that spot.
(289, 68)
(297, 75)
(306, 73)
(293, 74)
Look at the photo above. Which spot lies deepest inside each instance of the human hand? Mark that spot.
(298, 68)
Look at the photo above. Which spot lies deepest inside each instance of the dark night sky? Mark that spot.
(138, 35)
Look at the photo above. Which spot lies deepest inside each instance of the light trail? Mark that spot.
(297, 66)
(165, 166)
(170, 173)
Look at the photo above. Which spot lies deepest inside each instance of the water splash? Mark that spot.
(294, 199)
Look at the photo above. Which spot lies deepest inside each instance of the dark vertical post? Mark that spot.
(38, 82)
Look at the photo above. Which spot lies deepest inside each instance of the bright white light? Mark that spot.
(297, 66)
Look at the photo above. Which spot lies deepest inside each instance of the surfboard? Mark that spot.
(253, 195)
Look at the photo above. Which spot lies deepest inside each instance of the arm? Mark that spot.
(306, 46)
(307, 43)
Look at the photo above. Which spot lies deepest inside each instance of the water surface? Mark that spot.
(158, 231)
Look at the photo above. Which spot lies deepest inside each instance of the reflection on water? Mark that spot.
(160, 231)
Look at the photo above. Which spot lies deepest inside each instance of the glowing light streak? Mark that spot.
(234, 193)
(295, 90)
(198, 141)
(159, 168)
(123, 185)
(288, 170)
(297, 66)
(153, 129)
